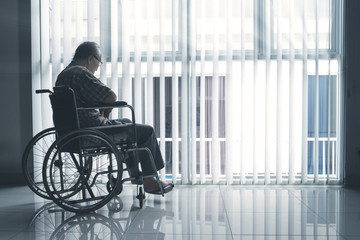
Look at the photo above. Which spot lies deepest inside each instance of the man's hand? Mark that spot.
(110, 99)
(107, 112)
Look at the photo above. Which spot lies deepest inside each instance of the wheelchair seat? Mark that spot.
(66, 118)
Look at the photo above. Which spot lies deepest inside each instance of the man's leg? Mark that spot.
(146, 138)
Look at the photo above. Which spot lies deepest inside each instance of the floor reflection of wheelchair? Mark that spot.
(87, 226)
(53, 222)
(83, 167)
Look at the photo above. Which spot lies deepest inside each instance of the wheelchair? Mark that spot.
(81, 169)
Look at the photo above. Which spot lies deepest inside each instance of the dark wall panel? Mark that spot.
(15, 87)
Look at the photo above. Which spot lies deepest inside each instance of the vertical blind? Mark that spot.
(238, 91)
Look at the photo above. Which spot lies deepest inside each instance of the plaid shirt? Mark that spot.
(88, 91)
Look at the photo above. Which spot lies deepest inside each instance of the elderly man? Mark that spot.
(89, 90)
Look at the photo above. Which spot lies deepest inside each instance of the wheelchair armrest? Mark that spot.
(111, 105)
(117, 104)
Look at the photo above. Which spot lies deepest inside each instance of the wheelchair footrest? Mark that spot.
(165, 189)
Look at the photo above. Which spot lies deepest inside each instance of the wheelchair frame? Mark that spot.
(68, 175)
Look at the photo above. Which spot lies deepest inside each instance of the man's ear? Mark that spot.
(89, 59)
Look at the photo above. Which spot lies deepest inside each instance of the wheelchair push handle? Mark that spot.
(40, 91)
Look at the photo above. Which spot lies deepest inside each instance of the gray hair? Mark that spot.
(86, 49)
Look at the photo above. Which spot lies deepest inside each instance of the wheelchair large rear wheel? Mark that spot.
(33, 158)
(77, 169)
(88, 226)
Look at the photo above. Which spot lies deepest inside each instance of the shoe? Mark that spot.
(165, 189)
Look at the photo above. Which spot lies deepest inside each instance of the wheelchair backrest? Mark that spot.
(65, 116)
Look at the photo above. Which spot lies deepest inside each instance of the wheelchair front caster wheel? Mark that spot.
(115, 204)
(110, 187)
(141, 196)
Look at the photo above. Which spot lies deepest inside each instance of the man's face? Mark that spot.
(94, 61)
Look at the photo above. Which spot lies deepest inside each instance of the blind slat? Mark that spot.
(256, 145)
(126, 93)
(162, 79)
(67, 26)
(202, 96)
(104, 23)
(304, 141)
(268, 81)
(150, 81)
(229, 107)
(329, 157)
(138, 98)
(174, 98)
(46, 82)
(184, 95)
(215, 166)
(114, 83)
(79, 22)
(243, 98)
(316, 142)
(91, 20)
(193, 90)
(279, 99)
(56, 40)
(292, 105)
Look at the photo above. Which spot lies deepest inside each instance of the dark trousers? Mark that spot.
(146, 138)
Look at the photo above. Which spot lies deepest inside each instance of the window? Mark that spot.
(327, 124)
(239, 91)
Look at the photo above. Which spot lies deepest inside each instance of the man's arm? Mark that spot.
(110, 99)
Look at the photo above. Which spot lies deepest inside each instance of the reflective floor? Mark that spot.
(191, 212)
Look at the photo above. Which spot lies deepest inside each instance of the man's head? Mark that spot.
(88, 54)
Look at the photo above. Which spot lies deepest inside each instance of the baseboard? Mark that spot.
(12, 179)
(353, 181)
